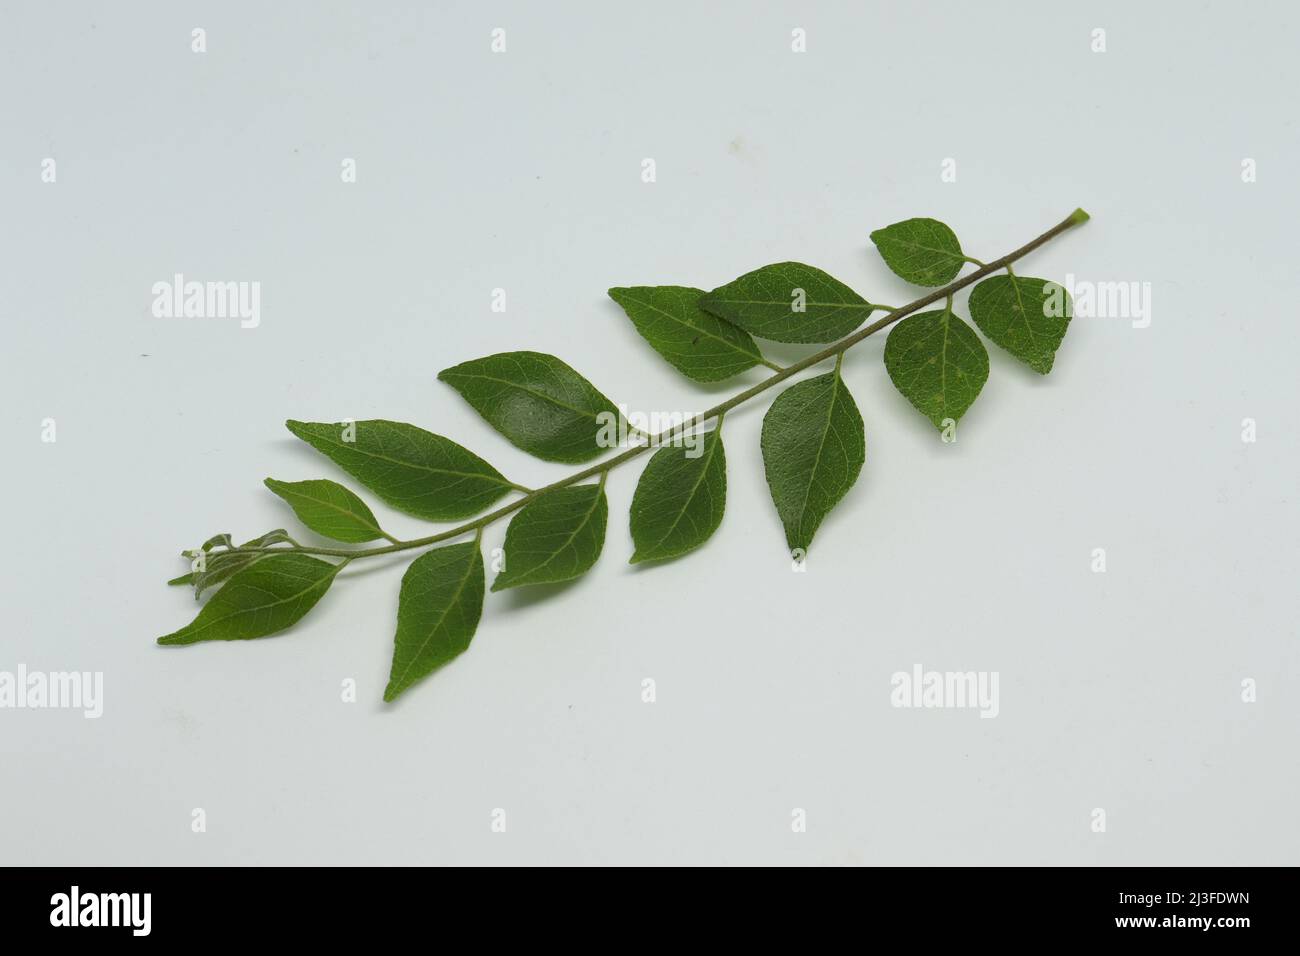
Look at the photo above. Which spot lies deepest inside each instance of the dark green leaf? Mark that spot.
(556, 537)
(922, 251)
(699, 345)
(813, 448)
(260, 599)
(183, 579)
(679, 500)
(438, 610)
(329, 509)
(413, 470)
(537, 402)
(938, 362)
(789, 302)
(1027, 317)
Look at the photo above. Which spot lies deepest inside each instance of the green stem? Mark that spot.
(835, 351)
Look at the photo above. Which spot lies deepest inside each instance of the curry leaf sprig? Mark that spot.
(813, 443)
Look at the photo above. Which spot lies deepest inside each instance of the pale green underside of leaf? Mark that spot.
(763, 303)
(938, 363)
(922, 251)
(1013, 311)
(679, 500)
(218, 541)
(556, 537)
(438, 611)
(219, 568)
(262, 598)
(220, 565)
(413, 470)
(278, 536)
(329, 509)
(536, 401)
(813, 448)
(699, 345)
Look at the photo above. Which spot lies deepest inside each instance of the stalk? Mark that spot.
(601, 469)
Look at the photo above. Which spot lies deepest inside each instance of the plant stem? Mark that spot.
(835, 351)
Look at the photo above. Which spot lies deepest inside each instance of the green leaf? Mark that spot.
(260, 599)
(537, 402)
(437, 612)
(679, 500)
(556, 537)
(1027, 317)
(813, 448)
(699, 345)
(183, 579)
(415, 471)
(938, 362)
(922, 251)
(329, 509)
(789, 302)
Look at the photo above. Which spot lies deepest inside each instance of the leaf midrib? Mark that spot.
(694, 490)
(821, 445)
(595, 500)
(334, 569)
(1024, 315)
(783, 302)
(333, 507)
(531, 391)
(497, 479)
(916, 245)
(460, 589)
(695, 328)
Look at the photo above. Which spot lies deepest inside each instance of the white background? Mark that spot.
(521, 170)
